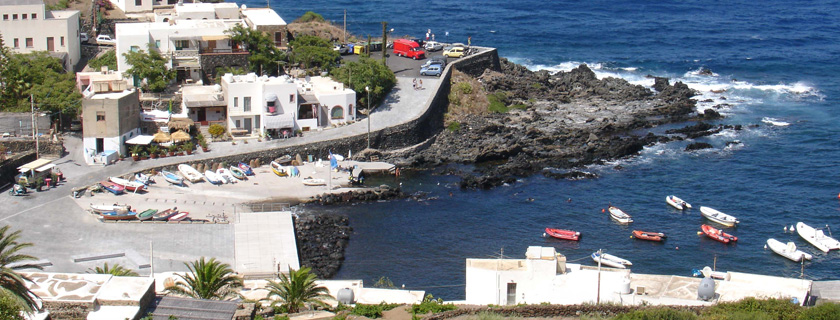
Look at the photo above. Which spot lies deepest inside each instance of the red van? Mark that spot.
(408, 48)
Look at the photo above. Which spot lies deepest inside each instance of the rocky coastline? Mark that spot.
(321, 239)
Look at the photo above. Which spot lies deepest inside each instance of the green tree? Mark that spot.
(12, 284)
(264, 56)
(116, 270)
(150, 66)
(313, 52)
(209, 279)
(9, 308)
(296, 290)
(108, 59)
(366, 72)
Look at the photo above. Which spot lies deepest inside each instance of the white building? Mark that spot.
(276, 104)
(27, 26)
(198, 11)
(131, 6)
(204, 104)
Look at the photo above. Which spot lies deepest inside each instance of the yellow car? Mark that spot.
(454, 52)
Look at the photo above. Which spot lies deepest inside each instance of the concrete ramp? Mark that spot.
(264, 243)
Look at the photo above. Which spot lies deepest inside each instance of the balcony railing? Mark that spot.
(185, 53)
(221, 51)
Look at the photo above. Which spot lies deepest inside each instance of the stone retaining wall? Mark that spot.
(46, 146)
(8, 169)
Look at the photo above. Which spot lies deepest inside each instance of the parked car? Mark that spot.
(408, 48)
(432, 70)
(454, 52)
(342, 49)
(76, 125)
(433, 46)
(441, 60)
(83, 37)
(105, 39)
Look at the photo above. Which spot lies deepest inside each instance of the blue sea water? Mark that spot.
(776, 63)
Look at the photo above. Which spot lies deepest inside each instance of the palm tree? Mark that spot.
(116, 270)
(13, 284)
(207, 280)
(296, 290)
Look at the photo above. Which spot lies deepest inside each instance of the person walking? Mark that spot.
(469, 41)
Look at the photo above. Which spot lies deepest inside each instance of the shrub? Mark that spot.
(752, 308)
(373, 310)
(311, 16)
(108, 59)
(465, 87)
(281, 317)
(430, 304)
(497, 102)
(9, 308)
(657, 313)
(216, 130)
(825, 311)
(454, 126)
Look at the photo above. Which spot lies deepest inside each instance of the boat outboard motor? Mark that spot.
(706, 290)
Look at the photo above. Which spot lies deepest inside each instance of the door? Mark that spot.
(211, 46)
(248, 125)
(100, 145)
(511, 294)
(50, 44)
(202, 115)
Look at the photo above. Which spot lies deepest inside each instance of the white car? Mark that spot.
(432, 46)
(105, 40)
(83, 37)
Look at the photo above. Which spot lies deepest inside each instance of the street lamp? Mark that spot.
(368, 115)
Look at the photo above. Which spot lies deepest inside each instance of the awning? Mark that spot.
(280, 121)
(34, 165)
(45, 168)
(217, 37)
(142, 140)
(270, 97)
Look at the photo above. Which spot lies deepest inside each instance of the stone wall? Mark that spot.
(68, 310)
(547, 311)
(475, 64)
(8, 168)
(209, 63)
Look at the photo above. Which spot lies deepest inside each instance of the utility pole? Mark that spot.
(345, 26)
(34, 126)
(598, 297)
(384, 42)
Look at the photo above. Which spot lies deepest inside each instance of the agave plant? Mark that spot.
(208, 279)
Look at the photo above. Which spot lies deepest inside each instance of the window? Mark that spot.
(135, 49)
(237, 124)
(5, 17)
(337, 112)
(278, 39)
(14, 17)
(17, 43)
(29, 43)
(182, 44)
(236, 102)
(100, 116)
(291, 98)
(62, 41)
(138, 2)
(246, 104)
(34, 16)
(305, 112)
(24, 16)
(157, 44)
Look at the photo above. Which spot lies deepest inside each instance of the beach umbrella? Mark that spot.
(161, 137)
(181, 136)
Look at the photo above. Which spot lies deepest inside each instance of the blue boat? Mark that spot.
(172, 178)
(246, 168)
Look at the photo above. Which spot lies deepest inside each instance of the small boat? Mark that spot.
(146, 214)
(172, 178)
(787, 250)
(817, 237)
(225, 173)
(132, 186)
(563, 234)
(314, 182)
(100, 208)
(246, 168)
(213, 178)
(165, 214)
(278, 169)
(708, 272)
(143, 178)
(180, 216)
(651, 236)
(116, 215)
(190, 173)
(719, 217)
(112, 187)
(718, 234)
(620, 216)
(237, 173)
(678, 203)
(611, 260)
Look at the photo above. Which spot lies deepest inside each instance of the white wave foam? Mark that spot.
(775, 122)
(700, 72)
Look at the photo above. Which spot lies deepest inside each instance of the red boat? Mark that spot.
(164, 215)
(647, 235)
(112, 187)
(180, 216)
(563, 234)
(718, 234)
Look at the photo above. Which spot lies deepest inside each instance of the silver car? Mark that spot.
(433, 46)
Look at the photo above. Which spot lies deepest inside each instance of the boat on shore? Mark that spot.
(100, 208)
(718, 234)
(116, 215)
(225, 173)
(146, 214)
(112, 187)
(708, 272)
(279, 169)
(718, 217)
(787, 250)
(678, 203)
(132, 186)
(238, 173)
(165, 214)
(610, 260)
(190, 173)
(213, 178)
(314, 182)
(180, 216)
(817, 237)
(619, 215)
(650, 236)
(562, 234)
(246, 168)
(143, 178)
(172, 178)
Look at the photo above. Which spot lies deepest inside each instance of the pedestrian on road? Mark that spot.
(414, 83)
(420, 86)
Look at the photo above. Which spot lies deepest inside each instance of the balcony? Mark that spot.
(180, 54)
(223, 51)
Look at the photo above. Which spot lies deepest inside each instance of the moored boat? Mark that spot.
(190, 173)
(112, 187)
(610, 260)
(237, 173)
(562, 234)
(100, 208)
(787, 250)
(180, 216)
(172, 178)
(146, 214)
(678, 203)
(213, 178)
(314, 182)
(116, 215)
(246, 168)
(165, 214)
(718, 234)
(620, 216)
(278, 169)
(718, 217)
(132, 186)
(817, 237)
(650, 236)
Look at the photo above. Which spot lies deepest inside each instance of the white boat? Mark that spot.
(279, 169)
(143, 178)
(611, 260)
(678, 203)
(817, 237)
(620, 216)
(238, 173)
(787, 250)
(132, 186)
(100, 208)
(314, 182)
(190, 173)
(172, 178)
(226, 175)
(718, 216)
(213, 178)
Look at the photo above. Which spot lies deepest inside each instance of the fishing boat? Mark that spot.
(143, 178)
(237, 173)
(172, 178)
(132, 186)
(718, 217)
(246, 168)
(787, 250)
(116, 215)
(647, 235)
(165, 214)
(213, 178)
(278, 169)
(620, 216)
(610, 260)
(225, 173)
(112, 187)
(678, 203)
(314, 182)
(718, 234)
(190, 173)
(562, 234)
(817, 237)
(100, 208)
(180, 216)
(146, 214)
